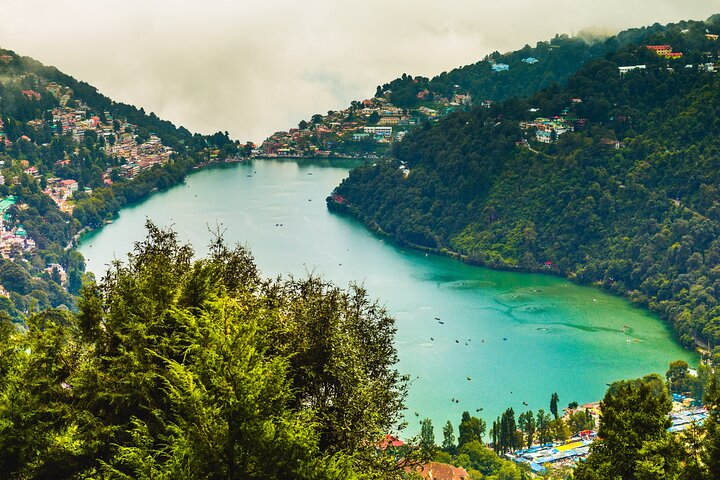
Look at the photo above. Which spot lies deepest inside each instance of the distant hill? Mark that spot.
(406, 102)
(609, 180)
(70, 158)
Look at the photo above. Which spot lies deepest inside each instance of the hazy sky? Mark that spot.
(252, 67)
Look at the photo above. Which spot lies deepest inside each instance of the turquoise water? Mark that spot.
(519, 337)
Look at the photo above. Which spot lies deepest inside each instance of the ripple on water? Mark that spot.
(469, 284)
(532, 308)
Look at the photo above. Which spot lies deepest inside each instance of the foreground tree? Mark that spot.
(427, 437)
(634, 442)
(712, 441)
(471, 429)
(449, 438)
(180, 369)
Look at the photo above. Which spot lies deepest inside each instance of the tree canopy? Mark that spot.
(179, 368)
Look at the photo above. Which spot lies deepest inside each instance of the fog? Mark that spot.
(252, 67)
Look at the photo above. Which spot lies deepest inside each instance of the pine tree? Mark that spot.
(449, 444)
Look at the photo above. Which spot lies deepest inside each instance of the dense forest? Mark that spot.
(530, 69)
(177, 369)
(626, 200)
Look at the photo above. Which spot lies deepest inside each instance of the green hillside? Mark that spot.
(70, 158)
(624, 196)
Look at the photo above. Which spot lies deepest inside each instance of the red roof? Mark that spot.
(31, 94)
(390, 441)
(659, 47)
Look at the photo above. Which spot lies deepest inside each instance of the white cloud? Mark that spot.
(252, 67)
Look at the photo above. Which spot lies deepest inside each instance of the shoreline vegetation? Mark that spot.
(624, 197)
(344, 208)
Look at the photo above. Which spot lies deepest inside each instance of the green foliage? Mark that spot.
(554, 399)
(632, 434)
(448, 443)
(580, 420)
(528, 426)
(678, 376)
(634, 444)
(711, 455)
(543, 427)
(427, 437)
(640, 221)
(471, 429)
(505, 433)
(481, 462)
(200, 369)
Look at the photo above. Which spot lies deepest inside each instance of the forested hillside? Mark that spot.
(529, 69)
(610, 180)
(70, 158)
(176, 369)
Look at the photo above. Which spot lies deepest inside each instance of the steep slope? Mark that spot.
(624, 195)
(70, 158)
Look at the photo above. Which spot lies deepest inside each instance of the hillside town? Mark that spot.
(368, 128)
(129, 152)
(365, 129)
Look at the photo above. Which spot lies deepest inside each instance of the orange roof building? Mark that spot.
(441, 471)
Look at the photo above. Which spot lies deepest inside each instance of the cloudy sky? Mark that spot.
(255, 66)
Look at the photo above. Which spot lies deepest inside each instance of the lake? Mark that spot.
(507, 338)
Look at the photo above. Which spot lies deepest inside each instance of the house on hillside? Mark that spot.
(661, 50)
(629, 68)
(32, 94)
(388, 121)
(664, 51)
(501, 67)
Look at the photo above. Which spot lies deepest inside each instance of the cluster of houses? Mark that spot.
(138, 157)
(547, 130)
(61, 191)
(119, 140)
(13, 240)
(117, 134)
(375, 119)
(665, 51)
(75, 119)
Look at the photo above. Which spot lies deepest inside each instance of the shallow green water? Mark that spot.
(519, 337)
